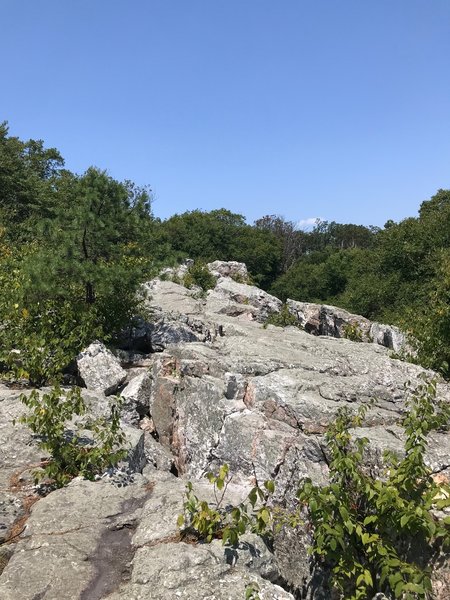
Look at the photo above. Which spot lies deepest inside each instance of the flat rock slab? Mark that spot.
(77, 542)
(203, 572)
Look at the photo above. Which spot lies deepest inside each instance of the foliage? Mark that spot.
(238, 278)
(219, 521)
(88, 239)
(291, 240)
(38, 343)
(199, 274)
(73, 251)
(38, 336)
(252, 591)
(223, 235)
(70, 455)
(373, 532)
(319, 276)
(353, 332)
(28, 173)
(430, 323)
(284, 318)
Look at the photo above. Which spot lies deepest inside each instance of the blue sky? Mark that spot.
(338, 109)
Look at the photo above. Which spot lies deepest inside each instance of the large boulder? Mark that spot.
(390, 336)
(256, 397)
(113, 541)
(321, 319)
(99, 369)
(21, 454)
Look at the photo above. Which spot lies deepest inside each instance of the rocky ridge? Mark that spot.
(203, 383)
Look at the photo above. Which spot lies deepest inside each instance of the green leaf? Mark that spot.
(270, 486)
(405, 520)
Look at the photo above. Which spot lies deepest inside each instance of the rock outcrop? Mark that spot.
(235, 270)
(222, 387)
(321, 319)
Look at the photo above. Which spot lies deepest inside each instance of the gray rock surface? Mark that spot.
(390, 336)
(100, 369)
(235, 270)
(17, 455)
(233, 298)
(112, 540)
(82, 535)
(136, 398)
(20, 453)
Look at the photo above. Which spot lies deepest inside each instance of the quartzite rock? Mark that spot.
(100, 369)
(233, 269)
(136, 398)
(258, 398)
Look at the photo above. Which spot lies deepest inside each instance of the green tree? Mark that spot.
(223, 235)
(28, 176)
(77, 279)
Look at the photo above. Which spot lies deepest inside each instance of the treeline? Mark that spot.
(74, 249)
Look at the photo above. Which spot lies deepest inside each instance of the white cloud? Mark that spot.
(307, 224)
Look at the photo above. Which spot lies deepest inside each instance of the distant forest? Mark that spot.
(74, 249)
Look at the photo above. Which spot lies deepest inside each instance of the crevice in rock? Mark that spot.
(114, 552)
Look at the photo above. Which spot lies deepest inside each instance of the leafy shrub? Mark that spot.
(353, 332)
(70, 456)
(219, 521)
(429, 324)
(38, 342)
(199, 274)
(366, 528)
(239, 278)
(284, 318)
(252, 591)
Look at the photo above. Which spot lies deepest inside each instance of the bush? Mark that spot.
(353, 332)
(199, 274)
(208, 523)
(372, 532)
(38, 342)
(69, 455)
(284, 318)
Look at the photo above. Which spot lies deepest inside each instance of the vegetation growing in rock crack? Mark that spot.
(208, 522)
(51, 416)
(199, 274)
(353, 332)
(283, 318)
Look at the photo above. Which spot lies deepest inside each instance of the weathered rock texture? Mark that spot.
(99, 369)
(235, 270)
(321, 319)
(221, 388)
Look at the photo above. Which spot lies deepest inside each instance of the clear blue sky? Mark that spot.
(338, 109)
